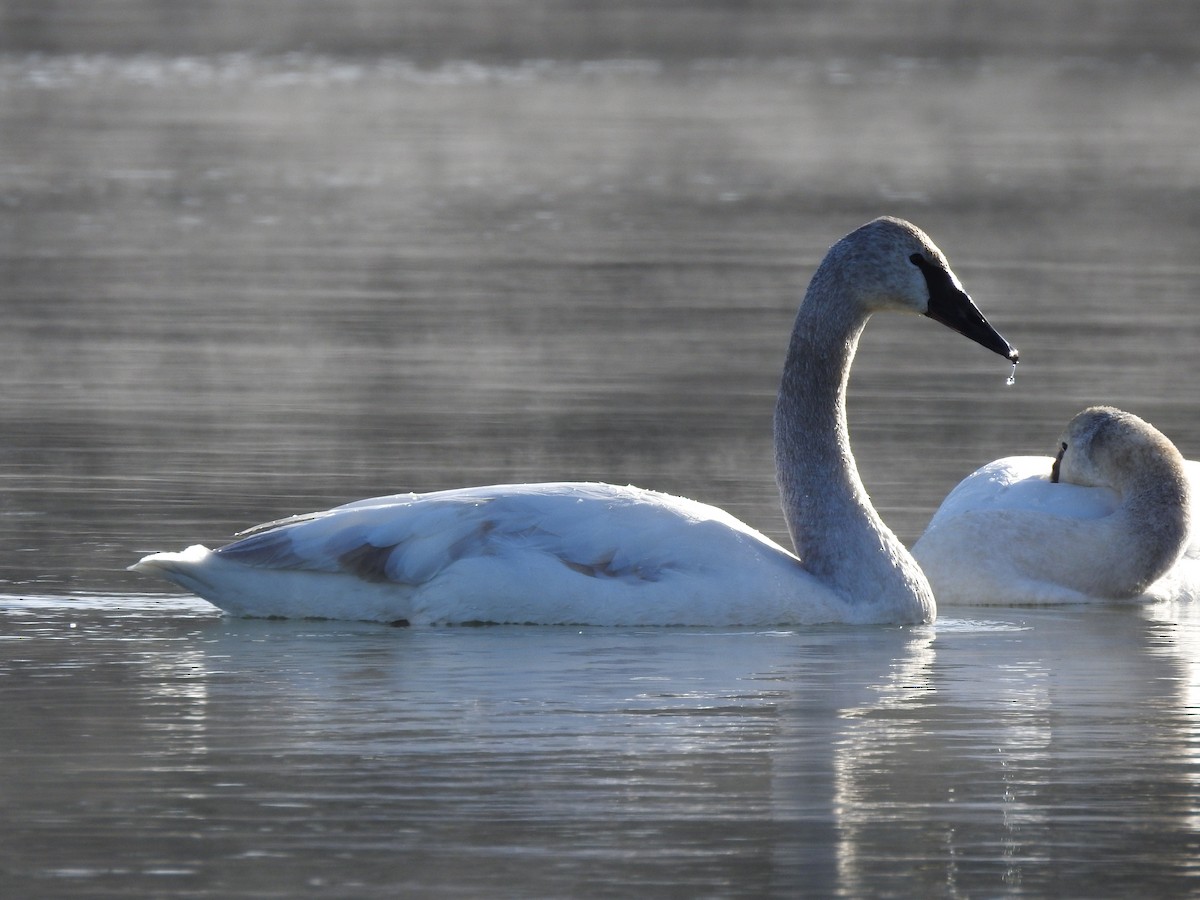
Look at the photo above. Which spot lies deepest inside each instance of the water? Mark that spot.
(154, 749)
(239, 288)
(263, 262)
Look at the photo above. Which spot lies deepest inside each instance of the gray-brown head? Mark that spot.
(1110, 448)
(1103, 446)
(891, 264)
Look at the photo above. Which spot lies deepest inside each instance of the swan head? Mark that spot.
(1104, 447)
(897, 267)
(1108, 447)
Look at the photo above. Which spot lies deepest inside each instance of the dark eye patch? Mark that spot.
(936, 278)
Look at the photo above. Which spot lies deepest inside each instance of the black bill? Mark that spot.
(951, 306)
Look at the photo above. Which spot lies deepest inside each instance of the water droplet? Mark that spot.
(1012, 376)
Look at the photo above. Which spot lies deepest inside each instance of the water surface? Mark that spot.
(238, 288)
(262, 259)
(153, 749)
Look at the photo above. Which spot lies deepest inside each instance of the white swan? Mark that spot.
(607, 555)
(1109, 519)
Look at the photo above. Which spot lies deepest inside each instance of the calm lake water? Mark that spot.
(268, 261)
(152, 748)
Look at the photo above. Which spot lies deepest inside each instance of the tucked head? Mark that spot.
(1105, 446)
(1109, 448)
(896, 266)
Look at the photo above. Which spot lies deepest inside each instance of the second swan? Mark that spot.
(1110, 518)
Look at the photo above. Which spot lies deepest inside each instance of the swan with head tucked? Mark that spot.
(578, 553)
(1109, 519)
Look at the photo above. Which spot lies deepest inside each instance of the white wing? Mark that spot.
(546, 553)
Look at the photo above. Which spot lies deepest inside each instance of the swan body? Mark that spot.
(1109, 519)
(569, 553)
(573, 553)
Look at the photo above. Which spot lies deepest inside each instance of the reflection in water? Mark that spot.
(1051, 739)
(154, 748)
(1176, 638)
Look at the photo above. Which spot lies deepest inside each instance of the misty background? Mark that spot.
(263, 258)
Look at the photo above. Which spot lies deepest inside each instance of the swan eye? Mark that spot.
(916, 259)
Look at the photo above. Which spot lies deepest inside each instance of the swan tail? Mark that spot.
(185, 568)
(247, 591)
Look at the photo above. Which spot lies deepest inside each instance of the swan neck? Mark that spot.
(1156, 511)
(834, 528)
(812, 441)
(813, 392)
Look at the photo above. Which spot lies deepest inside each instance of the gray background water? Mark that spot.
(257, 259)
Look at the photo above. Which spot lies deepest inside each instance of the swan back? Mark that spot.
(559, 553)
